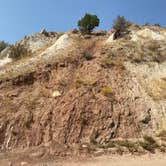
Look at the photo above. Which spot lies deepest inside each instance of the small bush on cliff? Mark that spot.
(3, 45)
(18, 51)
(149, 144)
(157, 24)
(106, 91)
(121, 26)
(88, 56)
(88, 23)
(110, 61)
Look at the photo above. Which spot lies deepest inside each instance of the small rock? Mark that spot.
(99, 152)
(43, 31)
(56, 94)
(84, 146)
(110, 39)
(24, 163)
(37, 154)
(10, 163)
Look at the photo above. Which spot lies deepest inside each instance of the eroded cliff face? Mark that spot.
(151, 78)
(83, 90)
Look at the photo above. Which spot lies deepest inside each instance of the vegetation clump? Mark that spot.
(110, 61)
(106, 91)
(149, 144)
(18, 51)
(119, 144)
(88, 56)
(88, 23)
(83, 82)
(121, 26)
(3, 45)
(107, 61)
(126, 143)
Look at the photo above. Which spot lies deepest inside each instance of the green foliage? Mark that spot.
(18, 51)
(123, 143)
(106, 146)
(149, 144)
(87, 56)
(83, 82)
(149, 139)
(88, 23)
(126, 143)
(106, 91)
(121, 24)
(3, 45)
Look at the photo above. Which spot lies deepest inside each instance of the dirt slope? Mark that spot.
(86, 95)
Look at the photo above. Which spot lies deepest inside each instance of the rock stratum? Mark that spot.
(77, 89)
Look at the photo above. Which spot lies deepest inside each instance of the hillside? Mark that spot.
(90, 89)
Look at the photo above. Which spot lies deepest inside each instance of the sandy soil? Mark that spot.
(147, 160)
(126, 160)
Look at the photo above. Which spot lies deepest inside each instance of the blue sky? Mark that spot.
(23, 17)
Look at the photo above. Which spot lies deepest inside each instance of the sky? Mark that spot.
(24, 17)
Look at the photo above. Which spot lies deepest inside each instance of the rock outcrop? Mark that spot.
(58, 94)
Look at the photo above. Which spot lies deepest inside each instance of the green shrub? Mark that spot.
(79, 82)
(149, 144)
(108, 145)
(18, 51)
(126, 143)
(87, 56)
(149, 139)
(106, 91)
(3, 45)
(88, 23)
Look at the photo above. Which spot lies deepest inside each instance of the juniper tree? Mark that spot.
(88, 23)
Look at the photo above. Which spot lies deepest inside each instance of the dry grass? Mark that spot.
(156, 88)
(18, 51)
(149, 144)
(162, 135)
(106, 91)
(111, 60)
(150, 51)
(88, 56)
(83, 82)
